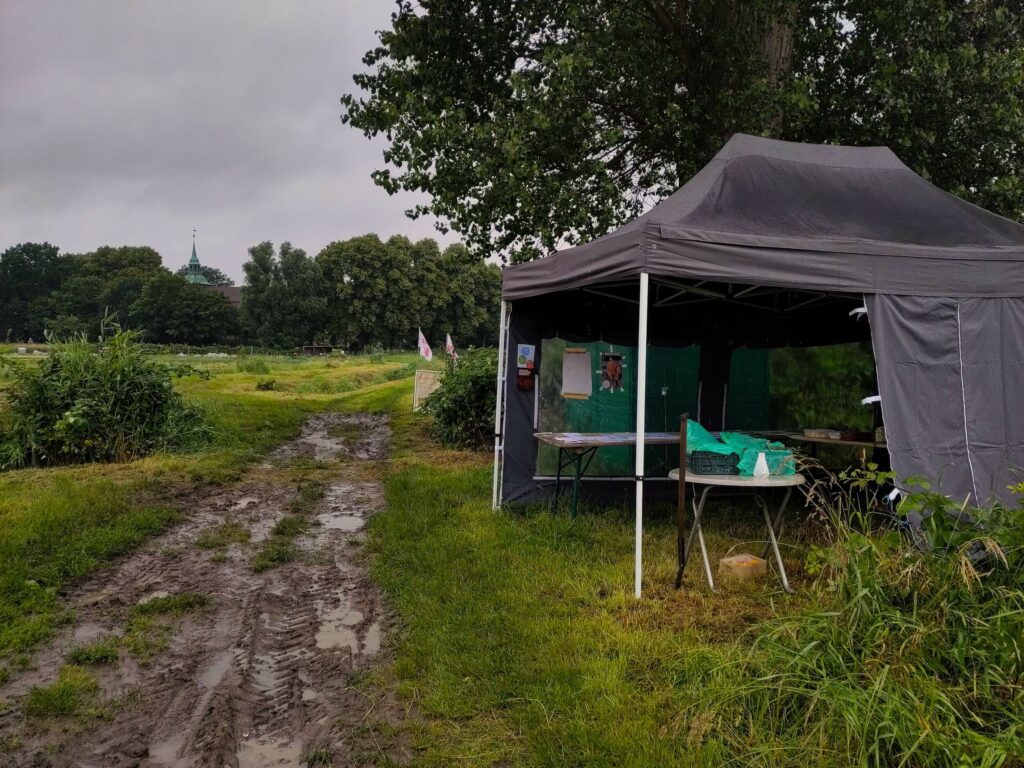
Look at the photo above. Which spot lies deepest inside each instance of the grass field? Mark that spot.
(519, 642)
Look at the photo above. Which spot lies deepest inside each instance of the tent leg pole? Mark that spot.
(641, 413)
(500, 396)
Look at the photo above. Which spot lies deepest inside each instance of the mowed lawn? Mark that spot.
(59, 524)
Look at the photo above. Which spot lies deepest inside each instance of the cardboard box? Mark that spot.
(742, 567)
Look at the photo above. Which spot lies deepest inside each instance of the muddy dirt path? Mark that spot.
(266, 674)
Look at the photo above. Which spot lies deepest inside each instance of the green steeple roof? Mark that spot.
(195, 273)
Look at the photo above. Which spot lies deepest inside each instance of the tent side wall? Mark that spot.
(951, 378)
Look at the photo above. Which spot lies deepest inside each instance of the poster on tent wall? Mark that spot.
(576, 381)
(611, 371)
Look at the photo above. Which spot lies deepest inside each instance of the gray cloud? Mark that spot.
(131, 121)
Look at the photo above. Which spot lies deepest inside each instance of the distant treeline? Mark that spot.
(354, 293)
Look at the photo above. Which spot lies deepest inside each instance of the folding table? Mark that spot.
(576, 450)
(754, 484)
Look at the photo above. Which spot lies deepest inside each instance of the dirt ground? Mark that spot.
(269, 672)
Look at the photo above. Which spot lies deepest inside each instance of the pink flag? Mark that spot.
(424, 347)
(449, 347)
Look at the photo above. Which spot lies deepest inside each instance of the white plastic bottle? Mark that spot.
(761, 467)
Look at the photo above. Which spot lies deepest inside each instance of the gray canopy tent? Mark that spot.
(772, 244)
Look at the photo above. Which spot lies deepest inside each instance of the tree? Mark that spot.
(373, 295)
(533, 124)
(284, 298)
(213, 275)
(106, 283)
(471, 314)
(172, 310)
(29, 273)
(381, 292)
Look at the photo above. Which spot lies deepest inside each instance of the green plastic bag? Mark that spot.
(780, 459)
(699, 439)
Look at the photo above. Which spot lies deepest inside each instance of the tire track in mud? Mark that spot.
(263, 676)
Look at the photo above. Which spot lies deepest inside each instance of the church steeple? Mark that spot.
(195, 272)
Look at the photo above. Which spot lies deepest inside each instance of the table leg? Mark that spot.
(582, 462)
(684, 552)
(773, 542)
(558, 482)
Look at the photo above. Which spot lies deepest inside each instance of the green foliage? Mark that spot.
(213, 275)
(81, 405)
(29, 273)
(463, 406)
(381, 292)
(284, 297)
(103, 651)
(266, 385)
(530, 124)
(66, 696)
(253, 365)
(172, 311)
(822, 387)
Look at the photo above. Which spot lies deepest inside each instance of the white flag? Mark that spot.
(449, 347)
(424, 347)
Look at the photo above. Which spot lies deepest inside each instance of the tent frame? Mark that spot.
(796, 299)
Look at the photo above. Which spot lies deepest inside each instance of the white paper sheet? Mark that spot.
(577, 381)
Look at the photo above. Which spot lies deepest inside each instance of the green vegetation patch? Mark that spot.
(102, 651)
(223, 535)
(83, 404)
(276, 551)
(290, 526)
(172, 605)
(55, 532)
(522, 643)
(73, 689)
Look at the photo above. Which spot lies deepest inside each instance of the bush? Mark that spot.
(463, 406)
(109, 404)
(253, 365)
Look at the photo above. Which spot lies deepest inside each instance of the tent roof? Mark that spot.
(801, 216)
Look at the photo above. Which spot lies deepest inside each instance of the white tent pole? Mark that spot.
(641, 412)
(500, 385)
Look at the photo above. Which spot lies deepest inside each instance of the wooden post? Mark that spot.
(681, 508)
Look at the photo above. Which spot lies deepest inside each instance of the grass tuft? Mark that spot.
(175, 605)
(102, 651)
(223, 535)
(67, 695)
(276, 551)
(290, 526)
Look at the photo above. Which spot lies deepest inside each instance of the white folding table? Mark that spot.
(754, 484)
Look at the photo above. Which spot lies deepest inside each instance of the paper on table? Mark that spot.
(576, 379)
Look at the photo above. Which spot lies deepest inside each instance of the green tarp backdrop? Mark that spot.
(672, 389)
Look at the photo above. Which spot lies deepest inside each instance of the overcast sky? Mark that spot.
(133, 121)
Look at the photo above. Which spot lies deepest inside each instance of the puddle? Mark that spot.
(341, 522)
(154, 596)
(371, 643)
(255, 754)
(214, 673)
(244, 503)
(337, 629)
